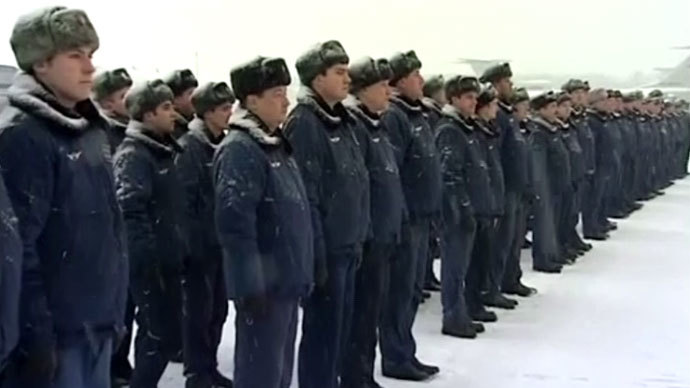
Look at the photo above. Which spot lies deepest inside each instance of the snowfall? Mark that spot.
(620, 317)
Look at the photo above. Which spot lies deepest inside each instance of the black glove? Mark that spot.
(39, 365)
(256, 305)
(320, 272)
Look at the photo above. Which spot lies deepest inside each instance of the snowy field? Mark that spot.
(619, 318)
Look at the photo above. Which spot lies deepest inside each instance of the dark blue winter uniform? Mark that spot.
(514, 153)
(264, 229)
(466, 197)
(546, 181)
(593, 212)
(387, 208)
(10, 276)
(418, 162)
(483, 264)
(567, 235)
(205, 298)
(613, 194)
(151, 197)
(120, 365)
(57, 168)
(433, 113)
(337, 183)
(579, 120)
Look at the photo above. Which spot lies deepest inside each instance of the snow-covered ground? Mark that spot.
(619, 318)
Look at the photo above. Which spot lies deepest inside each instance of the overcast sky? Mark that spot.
(617, 37)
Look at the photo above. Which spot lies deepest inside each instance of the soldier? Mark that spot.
(182, 83)
(514, 158)
(466, 198)
(434, 100)
(321, 131)
(512, 277)
(484, 257)
(371, 97)
(548, 166)
(109, 90)
(151, 198)
(571, 243)
(633, 153)
(56, 165)
(264, 226)
(595, 225)
(577, 90)
(10, 278)
(418, 162)
(205, 299)
(614, 208)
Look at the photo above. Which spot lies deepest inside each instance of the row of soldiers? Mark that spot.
(159, 202)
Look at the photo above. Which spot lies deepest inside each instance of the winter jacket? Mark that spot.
(490, 138)
(150, 194)
(465, 171)
(514, 151)
(334, 173)
(195, 172)
(385, 188)
(262, 213)
(580, 121)
(10, 276)
(56, 163)
(418, 160)
(557, 157)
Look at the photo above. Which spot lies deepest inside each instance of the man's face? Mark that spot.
(491, 109)
(376, 97)
(162, 119)
(466, 103)
(504, 87)
(521, 110)
(334, 86)
(412, 86)
(549, 112)
(271, 106)
(68, 74)
(564, 109)
(440, 97)
(115, 103)
(183, 103)
(579, 97)
(219, 116)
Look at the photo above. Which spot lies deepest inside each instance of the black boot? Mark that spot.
(549, 268)
(520, 290)
(428, 369)
(405, 371)
(499, 301)
(484, 316)
(220, 381)
(459, 330)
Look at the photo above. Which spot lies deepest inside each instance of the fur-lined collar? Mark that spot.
(331, 116)
(198, 129)
(603, 116)
(137, 131)
(31, 97)
(452, 112)
(564, 125)
(358, 109)
(408, 106)
(487, 127)
(544, 124)
(244, 120)
(431, 104)
(505, 106)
